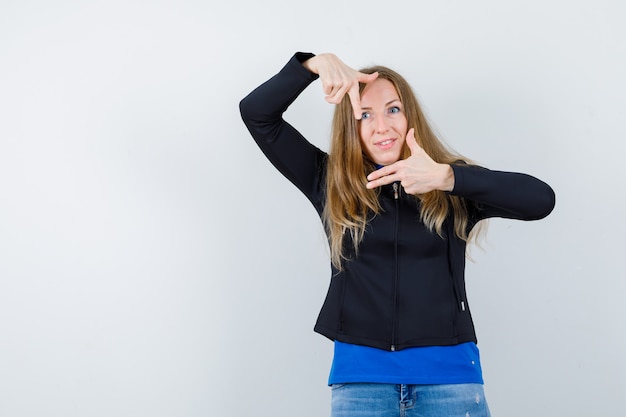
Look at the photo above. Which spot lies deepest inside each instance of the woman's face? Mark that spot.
(383, 125)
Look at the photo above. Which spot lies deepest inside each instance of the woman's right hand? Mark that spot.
(338, 79)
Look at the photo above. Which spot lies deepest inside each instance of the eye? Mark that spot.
(394, 110)
(365, 115)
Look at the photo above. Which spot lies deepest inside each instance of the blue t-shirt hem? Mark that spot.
(430, 365)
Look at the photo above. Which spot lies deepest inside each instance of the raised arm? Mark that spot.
(262, 112)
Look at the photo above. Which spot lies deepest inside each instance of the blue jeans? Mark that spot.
(393, 400)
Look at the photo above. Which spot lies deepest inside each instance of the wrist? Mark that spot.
(447, 177)
(311, 64)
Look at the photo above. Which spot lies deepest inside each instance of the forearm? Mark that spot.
(270, 100)
(503, 194)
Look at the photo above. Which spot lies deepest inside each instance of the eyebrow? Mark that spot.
(386, 104)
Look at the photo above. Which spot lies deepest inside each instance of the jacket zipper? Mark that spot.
(395, 277)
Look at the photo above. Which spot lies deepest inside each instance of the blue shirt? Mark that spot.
(458, 364)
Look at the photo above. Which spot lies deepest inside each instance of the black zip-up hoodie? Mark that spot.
(406, 286)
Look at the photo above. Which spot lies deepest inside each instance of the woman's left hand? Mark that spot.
(418, 174)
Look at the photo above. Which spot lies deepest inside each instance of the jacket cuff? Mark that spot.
(460, 178)
(296, 62)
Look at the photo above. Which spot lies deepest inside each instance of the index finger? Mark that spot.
(355, 100)
(383, 172)
(384, 180)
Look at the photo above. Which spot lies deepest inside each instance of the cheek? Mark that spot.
(403, 127)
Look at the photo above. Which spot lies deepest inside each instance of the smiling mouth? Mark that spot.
(385, 143)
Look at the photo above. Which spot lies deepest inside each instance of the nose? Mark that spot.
(381, 125)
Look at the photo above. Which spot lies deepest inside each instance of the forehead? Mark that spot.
(380, 91)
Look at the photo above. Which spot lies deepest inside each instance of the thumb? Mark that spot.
(367, 78)
(411, 142)
(354, 95)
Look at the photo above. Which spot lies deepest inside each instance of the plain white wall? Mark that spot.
(152, 262)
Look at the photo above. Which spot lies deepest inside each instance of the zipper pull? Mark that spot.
(462, 305)
(395, 190)
(393, 348)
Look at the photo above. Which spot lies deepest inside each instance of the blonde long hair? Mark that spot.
(349, 204)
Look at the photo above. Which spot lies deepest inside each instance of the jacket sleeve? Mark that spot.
(262, 112)
(503, 194)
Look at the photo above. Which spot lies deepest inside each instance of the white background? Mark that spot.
(153, 263)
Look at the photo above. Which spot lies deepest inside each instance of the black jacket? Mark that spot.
(406, 287)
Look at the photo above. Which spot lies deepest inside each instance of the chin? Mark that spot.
(387, 161)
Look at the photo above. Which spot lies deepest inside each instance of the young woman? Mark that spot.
(399, 209)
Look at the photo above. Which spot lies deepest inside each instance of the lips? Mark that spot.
(385, 144)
